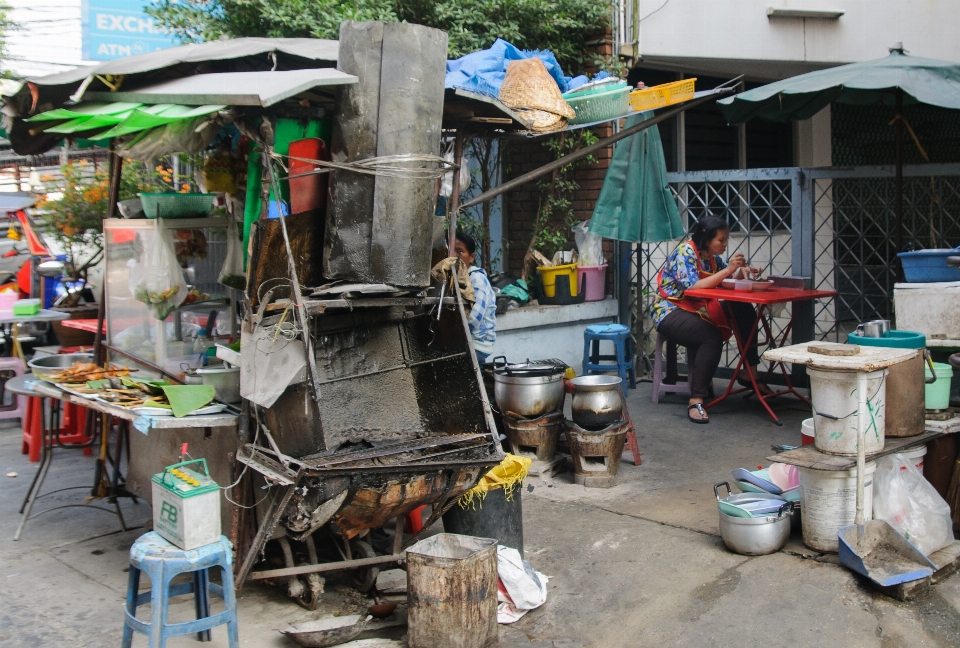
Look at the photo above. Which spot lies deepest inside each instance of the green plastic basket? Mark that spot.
(600, 106)
(177, 205)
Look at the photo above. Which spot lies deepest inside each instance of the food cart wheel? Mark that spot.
(363, 579)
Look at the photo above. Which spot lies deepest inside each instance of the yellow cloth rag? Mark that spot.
(506, 475)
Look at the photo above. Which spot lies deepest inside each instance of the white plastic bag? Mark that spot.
(156, 278)
(520, 587)
(907, 501)
(589, 245)
(231, 274)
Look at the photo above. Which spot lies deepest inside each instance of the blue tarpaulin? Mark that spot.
(483, 71)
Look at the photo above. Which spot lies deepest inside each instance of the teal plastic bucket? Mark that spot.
(893, 339)
(936, 395)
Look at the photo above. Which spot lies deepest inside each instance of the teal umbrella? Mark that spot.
(895, 80)
(635, 203)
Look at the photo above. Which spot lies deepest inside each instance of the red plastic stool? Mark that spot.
(33, 429)
(73, 429)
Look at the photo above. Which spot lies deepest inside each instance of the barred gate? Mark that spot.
(833, 225)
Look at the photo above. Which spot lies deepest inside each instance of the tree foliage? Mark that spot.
(6, 26)
(562, 26)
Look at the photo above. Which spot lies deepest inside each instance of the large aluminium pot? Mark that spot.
(597, 402)
(755, 536)
(528, 390)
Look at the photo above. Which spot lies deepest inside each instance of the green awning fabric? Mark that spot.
(125, 118)
(635, 203)
(922, 80)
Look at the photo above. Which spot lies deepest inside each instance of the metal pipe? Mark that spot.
(149, 365)
(588, 150)
(327, 567)
(898, 160)
(455, 193)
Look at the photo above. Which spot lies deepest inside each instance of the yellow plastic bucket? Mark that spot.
(549, 274)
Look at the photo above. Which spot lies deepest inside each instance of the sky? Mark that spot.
(49, 40)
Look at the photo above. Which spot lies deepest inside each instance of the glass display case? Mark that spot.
(200, 246)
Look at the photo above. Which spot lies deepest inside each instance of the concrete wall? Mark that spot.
(729, 32)
(545, 332)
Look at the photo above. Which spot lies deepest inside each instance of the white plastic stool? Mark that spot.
(19, 407)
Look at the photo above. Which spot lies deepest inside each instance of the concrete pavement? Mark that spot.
(641, 564)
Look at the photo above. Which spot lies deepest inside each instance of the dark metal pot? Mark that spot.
(597, 402)
(528, 390)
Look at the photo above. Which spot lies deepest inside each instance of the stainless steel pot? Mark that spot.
(597, 402)
(528, 390)
(756, 536)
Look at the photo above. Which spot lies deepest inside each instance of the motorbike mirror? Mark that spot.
(50, 269)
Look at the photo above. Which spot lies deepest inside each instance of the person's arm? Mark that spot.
(736, 261)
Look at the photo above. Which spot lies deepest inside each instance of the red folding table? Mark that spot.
(762, 300)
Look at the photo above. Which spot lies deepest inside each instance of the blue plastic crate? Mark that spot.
(929, 266)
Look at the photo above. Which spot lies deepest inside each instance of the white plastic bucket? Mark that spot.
(915, 456)
(828, 499)
(835, 410)
(807, 433)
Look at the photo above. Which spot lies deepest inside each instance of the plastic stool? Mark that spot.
(18, 409)
(33, 429)
(162, 562)
(659, 386)
(623, 352)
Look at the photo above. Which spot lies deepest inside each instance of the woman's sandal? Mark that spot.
(702, 412)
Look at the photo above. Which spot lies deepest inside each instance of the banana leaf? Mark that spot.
(187, 398)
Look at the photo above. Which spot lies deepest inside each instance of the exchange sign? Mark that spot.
(114, 29)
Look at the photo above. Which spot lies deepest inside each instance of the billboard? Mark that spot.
(114, 29)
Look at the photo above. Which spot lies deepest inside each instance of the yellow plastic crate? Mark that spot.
(662, 95)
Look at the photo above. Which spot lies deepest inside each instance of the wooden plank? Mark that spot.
(810, 457)
(342, 565)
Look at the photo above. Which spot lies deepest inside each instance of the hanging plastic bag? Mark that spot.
(910, 504)
(156, 279)
(589, 245)
(231, 274)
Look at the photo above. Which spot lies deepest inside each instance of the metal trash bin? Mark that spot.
(452, 592)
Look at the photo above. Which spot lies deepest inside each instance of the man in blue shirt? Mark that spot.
(483, 316)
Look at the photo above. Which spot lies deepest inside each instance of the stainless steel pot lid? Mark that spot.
(529, 369)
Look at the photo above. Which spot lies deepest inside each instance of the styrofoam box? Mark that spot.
(929, 308)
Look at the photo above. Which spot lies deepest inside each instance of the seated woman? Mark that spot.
(702, 325)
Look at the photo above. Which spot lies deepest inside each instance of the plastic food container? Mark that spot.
(26, 307)
(225, 381)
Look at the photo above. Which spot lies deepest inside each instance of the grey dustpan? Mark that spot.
(876, 549)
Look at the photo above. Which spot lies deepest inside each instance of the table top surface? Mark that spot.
(22, 385)
(773, 296)
(809, 457)
(43, 316)
(869, 358)
(141, 422)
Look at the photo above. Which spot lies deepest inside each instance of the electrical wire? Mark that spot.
(386, 165)
(665, 3)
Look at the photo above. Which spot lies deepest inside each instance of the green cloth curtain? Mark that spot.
(635, 203)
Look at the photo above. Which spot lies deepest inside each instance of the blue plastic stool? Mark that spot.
(622, 359)
(162, 562)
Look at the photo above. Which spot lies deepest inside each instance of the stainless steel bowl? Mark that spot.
(45, 366)
(528, 396)
(756, 536)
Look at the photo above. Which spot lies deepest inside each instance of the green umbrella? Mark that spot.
(635, 203)
(895, 80)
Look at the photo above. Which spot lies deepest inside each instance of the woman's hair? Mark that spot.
(468, 242)
(705, 229)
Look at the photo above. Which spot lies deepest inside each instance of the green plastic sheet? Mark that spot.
(635, 203)
(922, 80)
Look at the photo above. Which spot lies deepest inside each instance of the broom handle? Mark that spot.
(861, 441)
